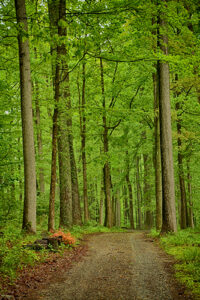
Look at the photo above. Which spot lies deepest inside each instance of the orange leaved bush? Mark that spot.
(67, 239)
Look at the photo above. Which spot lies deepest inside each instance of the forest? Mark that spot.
(99, 120)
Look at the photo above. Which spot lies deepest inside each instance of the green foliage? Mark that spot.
(13, 256)
(185, 247)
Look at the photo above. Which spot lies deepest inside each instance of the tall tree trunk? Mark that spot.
(39, 135)
(147, 200)
(118, 210)
(139, 199)
(107, 182)
(83, 139)
(157, 154)
(114, 209)
(53, 8)
(29, 216)
(168, 192)
(64, 133)
(183, 216)
(76, 208)
(20, 175)
(101, 204)
(51, 218)
(126, 208)
(190, 210)
(130, 193)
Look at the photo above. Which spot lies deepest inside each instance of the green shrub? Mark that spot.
(184, 246)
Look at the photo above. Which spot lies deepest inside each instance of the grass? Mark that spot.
(14, 257)
(185, 247)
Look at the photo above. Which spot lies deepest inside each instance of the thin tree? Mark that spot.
(83, 144)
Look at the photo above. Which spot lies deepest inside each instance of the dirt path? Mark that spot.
(118, 266)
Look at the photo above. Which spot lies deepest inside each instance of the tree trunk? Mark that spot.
(63, 127)
(53, 19)
(76, 208)
(29, 215)
(118, 210)
(39, 135)
(51, 218)
(101, 204)
(147, 200)
(157, 155)
(126, 209)
(139, 199)
(107, 182)
(168, 193)
(83, 139)
(190, 210)
(130, 192)
(183, 216)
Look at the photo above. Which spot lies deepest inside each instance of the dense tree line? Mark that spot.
(108, 127)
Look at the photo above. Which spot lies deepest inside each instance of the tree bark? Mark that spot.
(53, 8)
(118, 210)
(29, 215)
(126, 208)
(147, 200)
(130, 193)
(139, 199)
(76, 208)
(183, 216)
(83, 142)
(101, 204)
(157, 154)
(190, 209)
(63, 127)
(168, 193)
(107, 182)
(39, 135)
(51, 218)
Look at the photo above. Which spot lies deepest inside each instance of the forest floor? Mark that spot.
(107, 266)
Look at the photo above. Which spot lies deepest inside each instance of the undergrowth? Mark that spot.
(185, 247)
(14, 256)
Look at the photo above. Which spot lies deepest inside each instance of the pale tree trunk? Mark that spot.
(53, 19)
(139, 198)
(83, 143)
(76, 208)
(126, 209)
(101, 204)
(29, 216)
(63, 128)
(147, 198)
(168, 193)
(39, 135)
(190, 210)
(107, 182)
(157, 154)
(113, 209)
(20, 175)
(130, 193)
(51, 218)
(118, 210)
(183, 216)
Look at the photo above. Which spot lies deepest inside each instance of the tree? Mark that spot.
(29, 216)
(168, 193)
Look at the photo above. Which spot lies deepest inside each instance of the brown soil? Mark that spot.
(117, 266)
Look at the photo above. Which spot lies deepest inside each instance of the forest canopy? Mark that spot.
(99, 120)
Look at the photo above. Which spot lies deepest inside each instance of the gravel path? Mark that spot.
(118, 266)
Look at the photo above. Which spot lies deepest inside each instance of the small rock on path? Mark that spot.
(118, 266)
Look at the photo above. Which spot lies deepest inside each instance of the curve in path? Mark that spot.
(118, 266)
